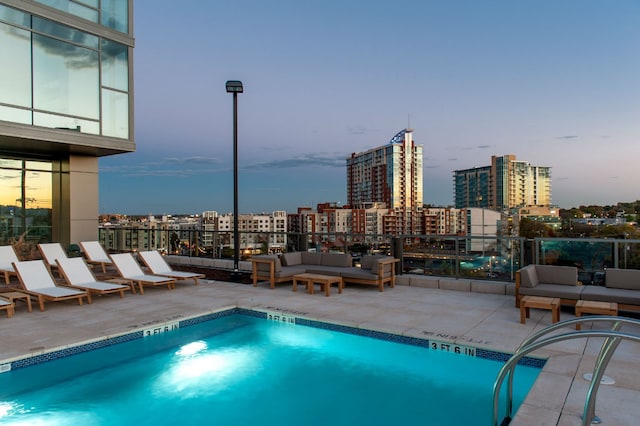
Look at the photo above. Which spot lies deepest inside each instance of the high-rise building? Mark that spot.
(390, 174)
(507, 183)
(66, 99)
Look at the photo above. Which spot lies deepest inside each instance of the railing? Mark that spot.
(537, 341)
(488, 257)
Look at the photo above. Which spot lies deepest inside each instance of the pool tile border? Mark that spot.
(139, 334)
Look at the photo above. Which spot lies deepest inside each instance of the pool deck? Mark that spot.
(469, 319)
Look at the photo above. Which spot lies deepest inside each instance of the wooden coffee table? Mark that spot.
(539, 302)
(597, 308)
(325, 282)
(16, 295)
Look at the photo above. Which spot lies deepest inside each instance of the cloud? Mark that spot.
(311, 159)
(357, 130)
(484, 146)
(567, 137)
(192, 160)
(452, 159)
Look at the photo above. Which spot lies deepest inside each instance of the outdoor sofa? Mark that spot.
(374, 270)
(622, 286)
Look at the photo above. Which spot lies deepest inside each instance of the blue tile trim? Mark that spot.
(396, 338)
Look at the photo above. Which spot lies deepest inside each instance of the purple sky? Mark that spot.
(554, 82)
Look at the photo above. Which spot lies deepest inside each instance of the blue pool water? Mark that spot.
(244, 370)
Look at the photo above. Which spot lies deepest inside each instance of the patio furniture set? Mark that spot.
(37, 281)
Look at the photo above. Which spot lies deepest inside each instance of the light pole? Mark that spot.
(235, 87)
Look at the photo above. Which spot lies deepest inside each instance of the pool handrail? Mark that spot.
(612, 339)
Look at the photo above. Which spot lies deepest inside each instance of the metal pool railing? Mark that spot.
(538, 340)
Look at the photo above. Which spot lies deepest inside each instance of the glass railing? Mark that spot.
(491, 258)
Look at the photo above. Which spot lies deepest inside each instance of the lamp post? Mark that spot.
(235, 87)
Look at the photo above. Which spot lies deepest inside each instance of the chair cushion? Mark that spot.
(628, 279)
(291, 259)
(368, 260)
(311, 258)
(554, 290)
(528, 277)
(337, 259)
(607, 294)
(552, 274)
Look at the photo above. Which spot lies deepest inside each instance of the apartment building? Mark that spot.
(505, 184)
(390, 174)
(66, 99)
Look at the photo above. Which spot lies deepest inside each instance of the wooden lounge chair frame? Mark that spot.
(78, 275)
(158, 266)
(130, 269)
(96, 255)
(36, 280)
(8, 306)
(7, 257)
(50, 253)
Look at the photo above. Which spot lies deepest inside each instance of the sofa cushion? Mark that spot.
(337, 259)
(322, 270)
(358, 274)
(552, 274)
(290, 271)
(368, 260)
(311, 258)
(604, 294)
(528, 277)
(291, 259)
(265, 267)
(562, 291)
(628, 279)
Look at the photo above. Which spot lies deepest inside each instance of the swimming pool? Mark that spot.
(244, 370)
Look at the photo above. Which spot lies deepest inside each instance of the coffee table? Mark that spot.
(325, 282)
(597, 308)
(539, 302)
(16, 295)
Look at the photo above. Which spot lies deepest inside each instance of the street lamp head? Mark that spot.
(234, 86)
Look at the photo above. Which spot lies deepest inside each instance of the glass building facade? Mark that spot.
(66, 99)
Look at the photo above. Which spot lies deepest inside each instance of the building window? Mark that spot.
(25, 201)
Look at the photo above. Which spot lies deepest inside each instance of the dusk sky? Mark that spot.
(554, 82)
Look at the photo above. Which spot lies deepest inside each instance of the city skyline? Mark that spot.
(555, 83)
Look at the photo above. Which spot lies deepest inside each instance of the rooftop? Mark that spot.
(471, 319)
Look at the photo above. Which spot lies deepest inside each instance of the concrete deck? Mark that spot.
(466, 318)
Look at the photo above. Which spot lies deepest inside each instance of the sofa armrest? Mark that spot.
(387, 269)
(255, 262)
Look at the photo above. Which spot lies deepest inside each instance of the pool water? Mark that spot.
(244, 370)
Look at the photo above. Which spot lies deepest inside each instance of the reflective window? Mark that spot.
(15, 115)
(66, 123)
(115, 65)
(14, 16)
(25, 204)
(75, 8)
(15, 66)
(115, 114)
(65, 33)
(115, 14)
(65, 78)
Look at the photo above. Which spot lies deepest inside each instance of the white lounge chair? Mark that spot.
(7, 306)
(129, 268)
(7, 257)
(77, 274)
(158, 266)
(36, 280)
(50, 253)
(96, 255)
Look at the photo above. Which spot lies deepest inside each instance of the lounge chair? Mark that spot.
(50, 253)
(129, 268)
(158, 266)
(77, 274)
(96, 255)
(7, 257)
(36, 280)
(7, 306)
